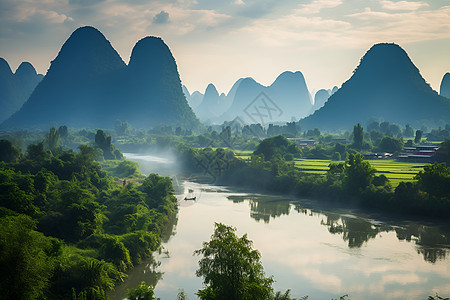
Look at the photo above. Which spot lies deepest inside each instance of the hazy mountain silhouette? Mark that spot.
(320, 98)
(193, 99)
(334, 90)
(213, 105)
(286, 97)
(445, 86)
(16, 88)
(385, 85)
(244, 94)
(28, 78)
(208, 108)
(89, 85)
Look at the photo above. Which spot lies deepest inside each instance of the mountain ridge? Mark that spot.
(385, 85)
(89, 85)
(16, 88)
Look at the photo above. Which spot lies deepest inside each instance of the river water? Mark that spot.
(322, 252)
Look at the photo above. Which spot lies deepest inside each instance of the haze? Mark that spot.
(221, 41)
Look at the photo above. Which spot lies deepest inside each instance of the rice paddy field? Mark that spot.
(394, 170)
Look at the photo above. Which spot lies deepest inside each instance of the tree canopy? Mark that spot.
(231, 268)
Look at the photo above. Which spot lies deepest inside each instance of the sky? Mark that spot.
(220, 41)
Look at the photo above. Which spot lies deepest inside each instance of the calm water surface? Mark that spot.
(322, 253)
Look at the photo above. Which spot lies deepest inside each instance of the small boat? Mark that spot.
(190, 198)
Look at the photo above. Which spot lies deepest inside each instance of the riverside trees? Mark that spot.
(68, 230)
(232, 269)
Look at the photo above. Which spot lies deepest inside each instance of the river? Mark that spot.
(322, 252)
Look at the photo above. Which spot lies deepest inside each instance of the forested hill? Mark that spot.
(386, 85)
(70, 231)
(89, 85)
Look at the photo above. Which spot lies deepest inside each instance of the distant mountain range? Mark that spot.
(386, 85)
(89, 85)
(193, 99)
(287, 98)
(15, 88)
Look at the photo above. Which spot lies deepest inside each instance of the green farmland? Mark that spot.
(395, 171)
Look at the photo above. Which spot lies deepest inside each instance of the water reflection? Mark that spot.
(146, 271)
(264, 207)
(431, 241)
(354, 231)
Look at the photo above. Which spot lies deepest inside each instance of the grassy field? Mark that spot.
(395, 171)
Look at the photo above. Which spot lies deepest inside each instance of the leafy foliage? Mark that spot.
(94, 228)
(26, 258)
(277, 145)
(141, 292)
(231, 268)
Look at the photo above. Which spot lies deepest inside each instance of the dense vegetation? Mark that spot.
(68, 229)
(353, 181)
(74, 229)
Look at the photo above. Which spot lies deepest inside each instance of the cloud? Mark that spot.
(85, 2)
(403, 5)
(317, 5)
(161, 18)
(402, 27)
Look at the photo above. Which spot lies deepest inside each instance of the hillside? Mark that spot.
(16, 88)
(444, 90)
(89, 85)
(386, 85)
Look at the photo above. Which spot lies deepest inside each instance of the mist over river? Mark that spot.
(322, 252)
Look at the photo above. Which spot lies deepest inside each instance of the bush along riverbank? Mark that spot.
(68, 229)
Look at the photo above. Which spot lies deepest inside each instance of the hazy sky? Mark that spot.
(220, 41)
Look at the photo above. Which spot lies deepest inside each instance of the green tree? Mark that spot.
(391, 144)
(336, 156)
(104, 142)
(418, 136)
(358, 136)
(443, 154)
(279, 144)
(8, 153)
(409, 132)
(435, 179)
(182, 295)
(141, 292)
(121, 128)
(37, 152)
(385, 128)
(25, 266)
(53, 139)
(358, 173)
(231, 268)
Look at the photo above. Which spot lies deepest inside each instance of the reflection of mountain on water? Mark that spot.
(264, 207)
